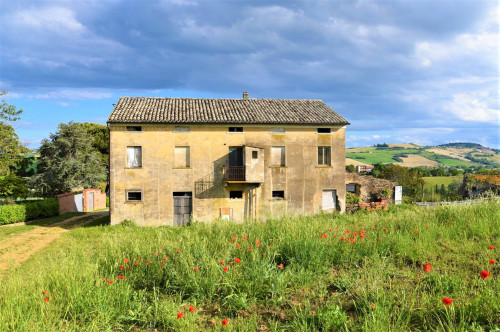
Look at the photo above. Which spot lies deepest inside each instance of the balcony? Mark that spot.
(234, 173)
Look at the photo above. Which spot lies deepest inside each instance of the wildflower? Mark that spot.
(297, 238)
(178, 251)
(106, 279)
(257, 241)
(262, 254)
(165, 257)
(426, 227)
(374, 228)
(155, 254)
(342, 239)
(492, 261)
(226, 268)
(161, 248)
(485, 274)
(415, 231)
(46, 299)
(136, 263)
(270, 246)
(373, 305)
(385, 229)
(191, 308)
(250, 249)
(379, 239)
(237, 260)
(195, 268)
(245, 238)
(325, 236)
(128, 268)
(179, 315)
(238, 245)
(427, 267)
(259, 244)
(126, 260)
(44, 292)
(162, 266)
(148, 261)
(122, 266)
(491, 247)
(276, 240)
(329, 230)
(111, 282)
(355, 233)
(225, 321)
(280, 266)
(221, 262)
(447, 301)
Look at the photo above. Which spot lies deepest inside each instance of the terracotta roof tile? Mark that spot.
(237, 111)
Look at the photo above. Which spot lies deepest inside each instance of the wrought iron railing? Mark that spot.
(234, 173)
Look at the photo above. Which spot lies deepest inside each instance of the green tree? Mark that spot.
(411, 180)
(68, 161)
(350, 168)
(13, 186)
(10, 147)
(438, 171)
(443, 189)
(100, 134)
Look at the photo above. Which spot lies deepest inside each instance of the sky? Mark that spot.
(425, 72)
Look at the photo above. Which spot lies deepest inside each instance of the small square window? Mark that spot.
(277, 130)
(134, 196)
(134, 128)
(235, 129)
(324, 130)
(255, 154)
(235, 194)
(181, 129)
(279, 194)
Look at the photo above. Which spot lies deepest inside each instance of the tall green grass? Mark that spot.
(375, 283)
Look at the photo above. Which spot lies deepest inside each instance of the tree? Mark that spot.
(100, 134)
(13, 186)
(350, 168)
(443, 189)
(411, 180)
(10, 147)
(68, 161)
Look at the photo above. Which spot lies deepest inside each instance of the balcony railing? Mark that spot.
(234, 173)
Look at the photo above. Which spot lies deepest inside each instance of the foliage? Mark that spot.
(13, 186)
(350, 168)
(27, 165)
(10, 147)
(100, 135)
(325, 283)
(410, 179)
(68, 161)
(351, 198)
(12, 213)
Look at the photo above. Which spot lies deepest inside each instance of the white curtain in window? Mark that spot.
(134, 156)
(278, 155)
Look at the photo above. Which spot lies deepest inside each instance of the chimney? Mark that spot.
(245, 95)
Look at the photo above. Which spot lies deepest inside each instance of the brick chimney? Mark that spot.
(245, 95)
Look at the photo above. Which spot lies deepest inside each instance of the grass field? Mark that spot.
(432, 181)
(361, 272)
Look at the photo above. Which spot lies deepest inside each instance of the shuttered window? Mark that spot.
(324, 155)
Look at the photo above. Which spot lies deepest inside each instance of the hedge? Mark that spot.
(12, 213)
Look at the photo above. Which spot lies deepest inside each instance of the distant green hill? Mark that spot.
(460, 155)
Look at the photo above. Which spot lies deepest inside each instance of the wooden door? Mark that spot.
(183, 208)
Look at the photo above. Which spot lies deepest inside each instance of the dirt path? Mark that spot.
(19, 247)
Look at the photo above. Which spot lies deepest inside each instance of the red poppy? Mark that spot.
(238, 245)
(355, 233)
(161, 248)
(325, 236)
(257, 241)
(237, 260)
(342, 239)
(148, 261)
(385, 229)
(111, 282)
(297, 238)
(156, 254)
(221, 262)
(122, 266)
(195, 268)
(179, 315)
(46, 299)
(245, 238)
(276, 240)
(44, 292)
(447, 301)
(373, 305)
(379, 239)
(427, 267)
(485, 274)
(165, 257)
(126, 260)
(270, 246)
(374, 228)
(329, 230)
(136, 263)
(250, 249)
(225, 322)
(225, 268)
(259, 245)
(415, 231)
(178, 251)
(281, 266)
(262, 254)
(162, 266)
(492, 261)
(491, 247)
(105, 279)
(191, 308)
(128, 268)
(426, 227)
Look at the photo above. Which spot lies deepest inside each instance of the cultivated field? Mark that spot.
(362, 272)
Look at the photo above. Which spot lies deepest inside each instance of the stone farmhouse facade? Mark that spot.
(173, 160)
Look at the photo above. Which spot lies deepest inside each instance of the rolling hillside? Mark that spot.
(460, 155)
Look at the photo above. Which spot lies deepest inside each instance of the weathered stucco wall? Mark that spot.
(369, 185)
(302, 179)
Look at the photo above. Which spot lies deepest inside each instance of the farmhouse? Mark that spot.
(177, 159)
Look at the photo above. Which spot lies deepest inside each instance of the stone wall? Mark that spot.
(373, 206)
(369, 185)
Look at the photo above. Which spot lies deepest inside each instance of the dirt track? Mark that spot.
(19, 247)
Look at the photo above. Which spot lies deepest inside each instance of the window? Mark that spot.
(277, 130)
(280, 194)
(324, 157)
(236, 194)
(278, 156)
(134, 156)
(255, 154)
(181, 129)
(324, 130)
(351, 188)
(134, 128)
(182, 156)
(134, 195)
(235, 129)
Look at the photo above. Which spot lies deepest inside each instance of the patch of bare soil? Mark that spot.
(414, 160)
(454, 153)
(19, 247)
(403, 145)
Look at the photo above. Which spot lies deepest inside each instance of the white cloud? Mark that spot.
(472, 107)
(72, 95)
(54, 18)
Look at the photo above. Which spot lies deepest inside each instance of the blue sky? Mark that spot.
(425, 72)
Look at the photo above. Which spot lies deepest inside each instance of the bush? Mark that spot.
(351, 198)
(22, 212)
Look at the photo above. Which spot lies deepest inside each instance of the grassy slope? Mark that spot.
(431, 181)
(325, 283)
(371, 155)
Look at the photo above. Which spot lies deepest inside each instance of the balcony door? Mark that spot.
(236, 156)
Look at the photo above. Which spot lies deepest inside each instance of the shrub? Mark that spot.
(21, 212)
(351, 198)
